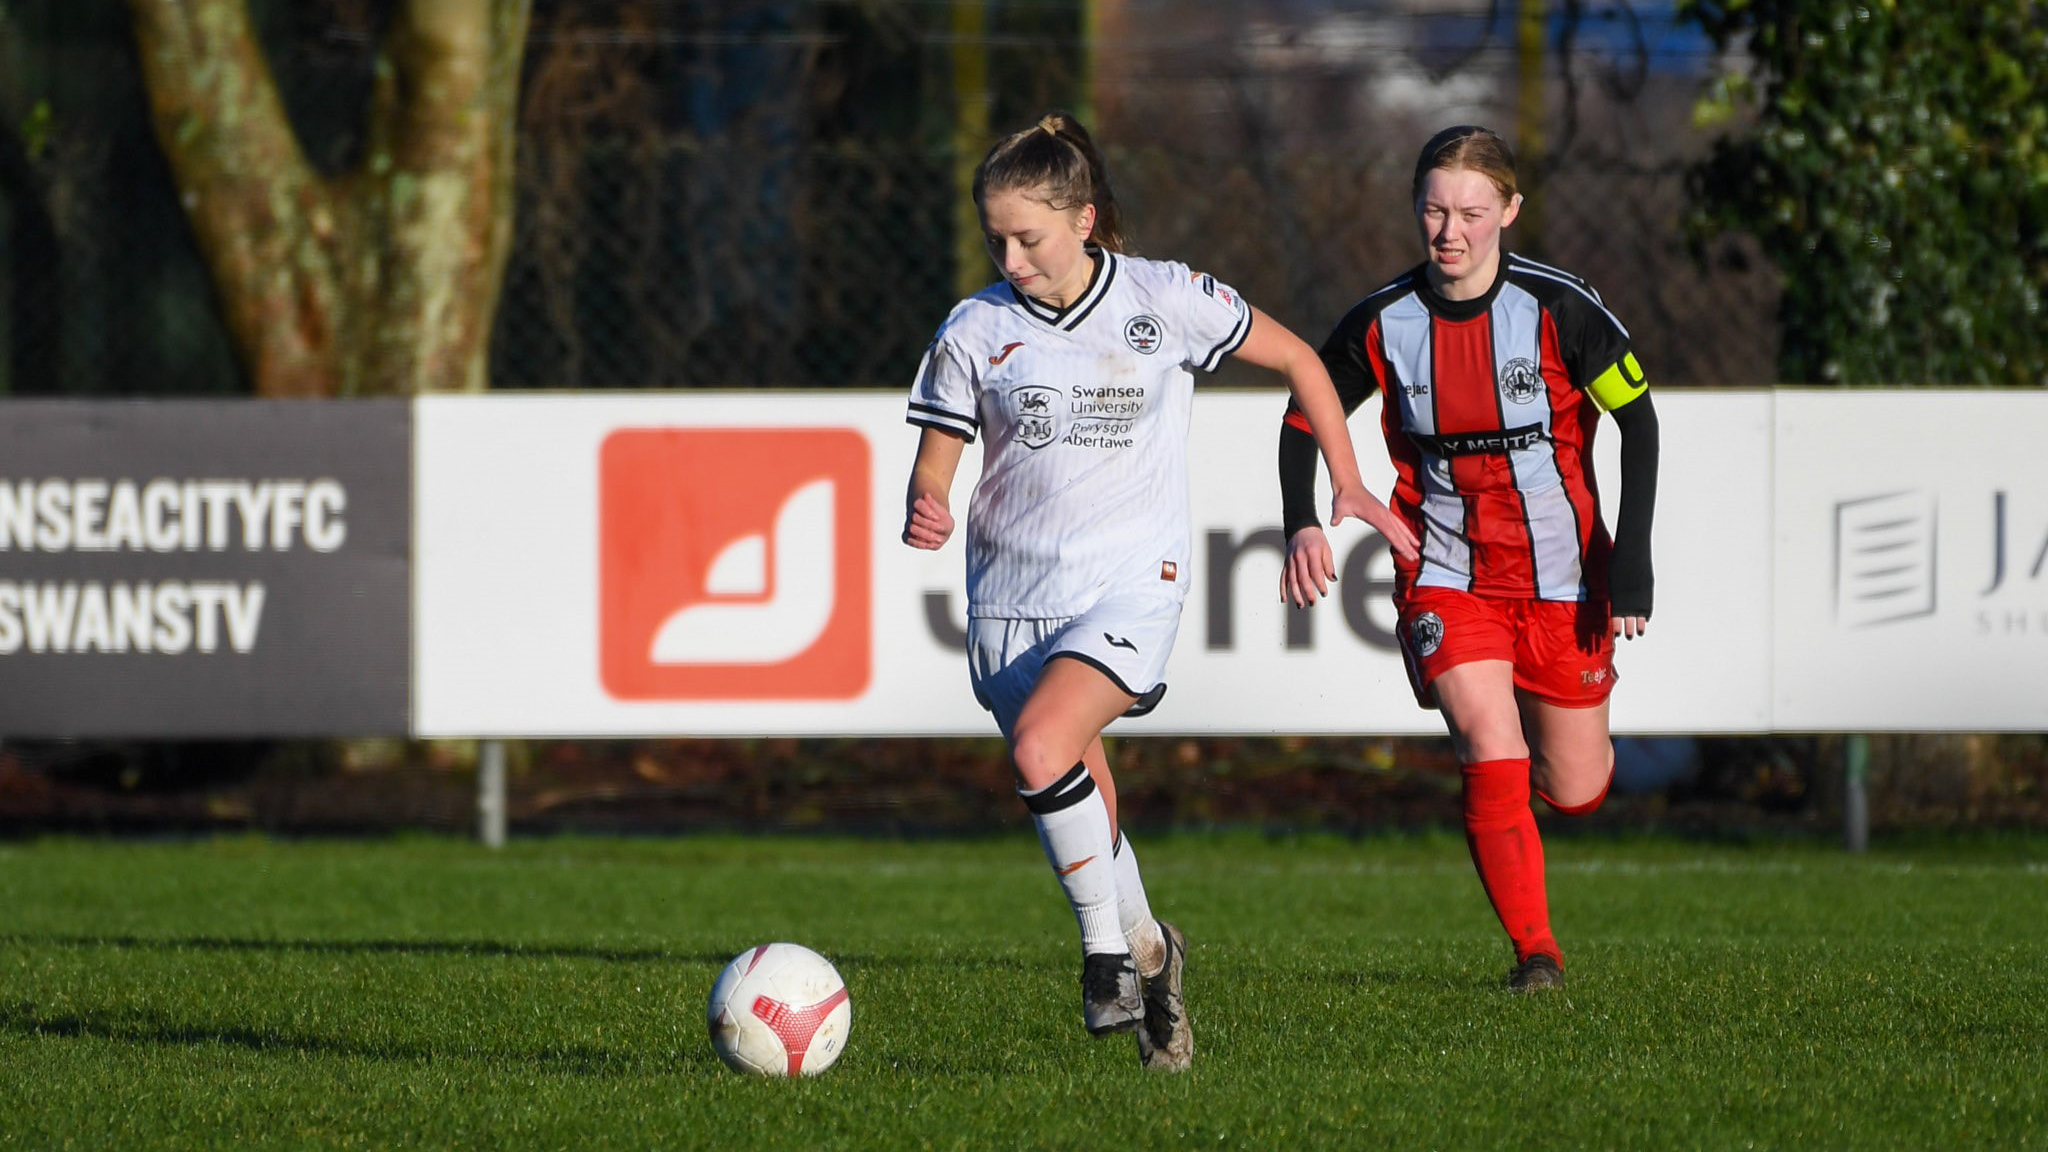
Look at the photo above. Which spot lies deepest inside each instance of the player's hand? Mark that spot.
(1630, 627)
(929, 523)
(1363, 505)
(1309, 568)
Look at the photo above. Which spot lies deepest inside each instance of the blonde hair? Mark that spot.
(1054, 160)
(1468, 146)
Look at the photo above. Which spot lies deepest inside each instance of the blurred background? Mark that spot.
(674, 194)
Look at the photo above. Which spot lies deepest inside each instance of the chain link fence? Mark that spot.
(712, 266)
(706, 265)
(799, 227)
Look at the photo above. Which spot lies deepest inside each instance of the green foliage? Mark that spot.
(1897, 173)
(418, 993)
(36, 127)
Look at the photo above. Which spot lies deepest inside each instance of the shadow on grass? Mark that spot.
(371, 947)
(139, 1026)
(844, 961)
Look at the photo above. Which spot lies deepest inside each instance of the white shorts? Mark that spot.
(1127, 638)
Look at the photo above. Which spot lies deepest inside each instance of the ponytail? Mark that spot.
(1054, 160)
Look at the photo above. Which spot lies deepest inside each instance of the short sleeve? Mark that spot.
(1591, 337)
(1344, 356)
(1218, 320)
(943, 395)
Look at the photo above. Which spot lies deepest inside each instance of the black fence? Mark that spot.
(832, 266)
(768, 193)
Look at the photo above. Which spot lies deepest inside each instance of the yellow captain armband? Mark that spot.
(1622, 382)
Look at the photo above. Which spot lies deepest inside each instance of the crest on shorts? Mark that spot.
(1143, 333)
(1425, 633)
(1519, 381)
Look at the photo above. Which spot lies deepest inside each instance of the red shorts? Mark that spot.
(1562, 650)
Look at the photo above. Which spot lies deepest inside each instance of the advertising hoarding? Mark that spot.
(730, 564)
(1911, 550)
(204, 568)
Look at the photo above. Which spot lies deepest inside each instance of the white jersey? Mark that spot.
(1085, 409)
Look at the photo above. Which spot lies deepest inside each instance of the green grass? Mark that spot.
(423, 993)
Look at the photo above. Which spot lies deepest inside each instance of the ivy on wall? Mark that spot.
(1892, 160)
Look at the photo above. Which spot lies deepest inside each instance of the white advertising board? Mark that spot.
(724, 564)
(1911, 541)
(1705, 665)
(556, 526)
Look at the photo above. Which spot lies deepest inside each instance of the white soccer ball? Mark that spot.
(779, 1010)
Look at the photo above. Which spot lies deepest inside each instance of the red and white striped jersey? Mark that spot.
(1084, 412)
(1490, 425)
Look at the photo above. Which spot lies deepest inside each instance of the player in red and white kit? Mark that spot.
(1495, 370)
(1077, 370)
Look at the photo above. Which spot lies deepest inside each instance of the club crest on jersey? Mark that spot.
(1425, 633)
(1143, 333)
(1035, 405)
(1519, 381)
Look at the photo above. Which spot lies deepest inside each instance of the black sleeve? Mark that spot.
(1343, 355)
(1297, 478)
(1630, 579)
(1589, 335)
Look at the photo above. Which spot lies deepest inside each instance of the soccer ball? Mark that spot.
(779, 1010)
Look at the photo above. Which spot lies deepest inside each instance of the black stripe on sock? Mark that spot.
(1077, 785)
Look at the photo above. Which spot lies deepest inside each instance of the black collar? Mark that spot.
(1069, 318)
(1449, 309)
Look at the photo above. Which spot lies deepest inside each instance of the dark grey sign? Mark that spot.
(205, 568)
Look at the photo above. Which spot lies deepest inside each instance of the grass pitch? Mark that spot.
(423, 993)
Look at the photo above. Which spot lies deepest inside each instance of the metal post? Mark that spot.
(490, 793)
(1855, 791)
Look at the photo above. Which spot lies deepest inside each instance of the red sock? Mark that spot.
(1585, 809)
(1501, 832)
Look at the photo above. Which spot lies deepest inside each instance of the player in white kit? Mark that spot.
(1076, 369)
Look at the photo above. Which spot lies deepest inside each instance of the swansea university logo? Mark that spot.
(734, 564)
(1037, 414)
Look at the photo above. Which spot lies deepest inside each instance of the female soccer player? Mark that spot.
(1495, 370)
(1076, 367)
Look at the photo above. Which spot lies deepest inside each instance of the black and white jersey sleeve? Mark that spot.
(945, 394)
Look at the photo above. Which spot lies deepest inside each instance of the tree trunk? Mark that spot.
(380, 281)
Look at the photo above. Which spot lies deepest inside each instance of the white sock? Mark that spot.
(1073, 826)
(1141, 931)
